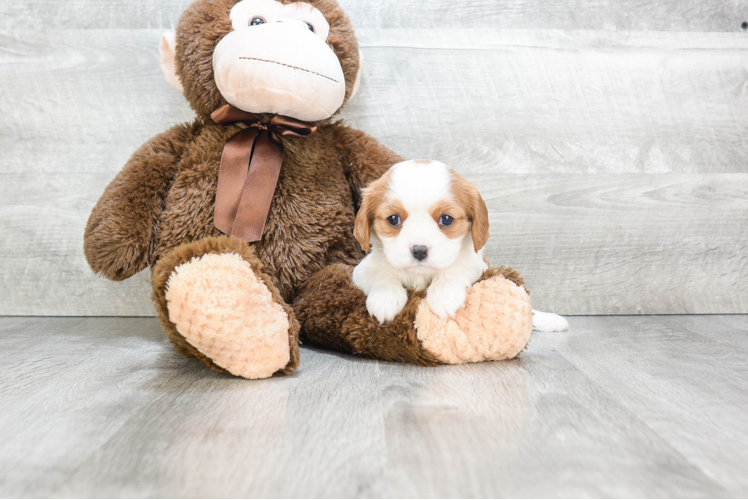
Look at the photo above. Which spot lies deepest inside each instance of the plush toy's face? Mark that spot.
(277, 61)
(295, 59)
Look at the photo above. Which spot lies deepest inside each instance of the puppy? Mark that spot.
(426, 227)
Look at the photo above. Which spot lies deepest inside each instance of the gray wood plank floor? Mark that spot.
(618, 407)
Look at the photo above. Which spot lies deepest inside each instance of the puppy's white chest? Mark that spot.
(416, 282)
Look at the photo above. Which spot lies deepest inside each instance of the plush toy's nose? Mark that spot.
(420, 252)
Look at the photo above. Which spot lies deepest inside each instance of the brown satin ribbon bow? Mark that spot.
(250, 167)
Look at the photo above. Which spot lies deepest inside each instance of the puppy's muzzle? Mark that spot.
(420, 252)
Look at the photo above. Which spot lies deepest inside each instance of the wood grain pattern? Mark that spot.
(642, 361)
(612, 244)
(634, 15)
(566, 102)
(721, 329)
(77, 103)
(623, 244)
(519, 102)
(618, 407)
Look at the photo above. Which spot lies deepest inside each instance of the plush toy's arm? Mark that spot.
(120, 229)
(364, 158)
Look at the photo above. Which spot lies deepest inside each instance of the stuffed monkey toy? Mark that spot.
(246, 215)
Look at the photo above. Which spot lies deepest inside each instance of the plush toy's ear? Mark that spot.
(357, 83)
(362, 229)
(167, 51)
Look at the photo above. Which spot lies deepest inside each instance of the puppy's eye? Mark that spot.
(445, 220)
(311, 28)
(394, 220)
(256, 21)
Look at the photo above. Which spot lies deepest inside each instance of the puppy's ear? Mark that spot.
(475, 207)
(371, 197)
(480, 221)
(362, 229)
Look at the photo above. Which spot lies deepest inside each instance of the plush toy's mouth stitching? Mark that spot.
(288, 66)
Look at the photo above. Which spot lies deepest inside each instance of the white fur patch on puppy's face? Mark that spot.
(419, 188)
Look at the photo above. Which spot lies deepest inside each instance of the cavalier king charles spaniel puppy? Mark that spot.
(426, 227)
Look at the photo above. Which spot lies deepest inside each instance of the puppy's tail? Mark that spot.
(548, 322)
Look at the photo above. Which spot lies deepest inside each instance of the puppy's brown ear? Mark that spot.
(480, 221)
(362, 229)
(371, 197)
(475, 207)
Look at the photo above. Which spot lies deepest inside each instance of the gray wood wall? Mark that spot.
(608, 137)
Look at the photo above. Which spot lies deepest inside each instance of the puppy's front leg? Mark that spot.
(385, 303)
(448, 289)
(385, 294)
(445, 296)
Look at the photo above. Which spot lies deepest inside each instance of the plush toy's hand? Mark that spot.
(116, 248)
(386, 302)
(445, 298)
(120, 230)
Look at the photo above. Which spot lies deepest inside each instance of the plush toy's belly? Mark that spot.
(311, 219)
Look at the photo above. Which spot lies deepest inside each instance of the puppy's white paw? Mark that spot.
(386, 303)
(548, 322)
(445, 299)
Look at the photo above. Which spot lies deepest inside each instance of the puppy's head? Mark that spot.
(422, 213)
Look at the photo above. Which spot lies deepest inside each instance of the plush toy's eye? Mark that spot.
(311, 28)
(394, 220)
(256, 21)
(446, 220)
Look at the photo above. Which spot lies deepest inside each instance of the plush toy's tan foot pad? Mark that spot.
(494, 324)
(227, 313)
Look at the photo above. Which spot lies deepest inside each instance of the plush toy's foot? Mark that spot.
(220, 306)
(495, 323)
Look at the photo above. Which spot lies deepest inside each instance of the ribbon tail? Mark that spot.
(259, 189)
(237, 155)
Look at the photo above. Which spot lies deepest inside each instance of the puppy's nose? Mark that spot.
(420, 252)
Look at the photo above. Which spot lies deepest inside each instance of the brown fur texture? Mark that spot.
(363, 159)
(334, 315)
(121, 231)
(333, 312)
(224, 244)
